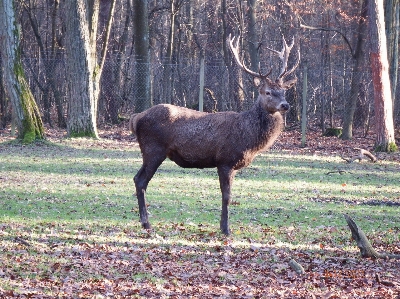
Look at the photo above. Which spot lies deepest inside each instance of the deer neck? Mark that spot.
(263, 127)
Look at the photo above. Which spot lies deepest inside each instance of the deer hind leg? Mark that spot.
(142, 179)
(226, 176)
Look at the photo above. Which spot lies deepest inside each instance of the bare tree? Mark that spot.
(380, 77)
(252, 28)
(49, 55)
(27, 113)
(115, 97)
(392, 16)
(141, 31)
(84, 69)
(359, 56)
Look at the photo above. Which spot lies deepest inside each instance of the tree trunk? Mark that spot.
(81, 65)
(380, 78)
(168, 66)
(392, 8)
(351, 102)
(225, 51)
(29, 123)
(253, 40)
(3, 102)
(83, 69)
(392, 18)
(114, 102)
(252, 28)
(141, 31)
(62, 123)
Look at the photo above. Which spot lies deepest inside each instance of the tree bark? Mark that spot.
(168, 66)
(253, 40)
(29, 122)
(81, 66)
(392, 10)
(142, 74)
(252, 28)
(118, 77)
(83, 69)
(380, 78)
(351, 102)
(392, 19)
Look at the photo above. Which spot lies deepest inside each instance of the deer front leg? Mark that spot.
(226, 176)
(142, 179)
(141, 185)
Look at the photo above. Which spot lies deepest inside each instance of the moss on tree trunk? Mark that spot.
(27, 115)
(31, 127)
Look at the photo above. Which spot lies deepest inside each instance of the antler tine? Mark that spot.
(287, 73)
(261, 75)
(284, 57)
(235, 52)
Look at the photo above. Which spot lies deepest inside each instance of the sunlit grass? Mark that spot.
(73, 181)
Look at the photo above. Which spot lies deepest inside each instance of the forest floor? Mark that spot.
(68, 227)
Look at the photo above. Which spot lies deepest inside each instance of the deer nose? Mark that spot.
(285, 106)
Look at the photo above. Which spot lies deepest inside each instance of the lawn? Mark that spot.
(70, 228)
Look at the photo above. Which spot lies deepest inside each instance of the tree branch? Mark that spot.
(107, 36)
(334, 30)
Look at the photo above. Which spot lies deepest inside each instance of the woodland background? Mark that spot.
(68, 221)
(332, 41)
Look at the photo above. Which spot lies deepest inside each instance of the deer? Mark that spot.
(227, 141)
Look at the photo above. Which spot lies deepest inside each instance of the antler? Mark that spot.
(284, 57)
(235, 52)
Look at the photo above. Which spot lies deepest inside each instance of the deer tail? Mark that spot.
(132, 123)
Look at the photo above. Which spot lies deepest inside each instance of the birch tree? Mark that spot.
(29, 123)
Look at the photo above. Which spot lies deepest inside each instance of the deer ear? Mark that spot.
(256, 81)
(288, 84)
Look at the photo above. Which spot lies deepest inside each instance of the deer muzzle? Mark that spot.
(284, 107)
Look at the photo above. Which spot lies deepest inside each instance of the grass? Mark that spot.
(80, 182)
(73, 196)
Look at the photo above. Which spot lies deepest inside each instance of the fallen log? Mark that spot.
(366, 249)
(296, 267)
(363, 154)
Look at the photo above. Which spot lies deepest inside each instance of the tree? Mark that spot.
(358, 55)
(84, 70)
(235, 76)
(115, 96)
(29, 123)
(380, 78)
(49, 59)
(141, 31)
(392, 9)
(253, 40)
(392, 16)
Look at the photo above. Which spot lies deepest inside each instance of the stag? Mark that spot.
(228, 141)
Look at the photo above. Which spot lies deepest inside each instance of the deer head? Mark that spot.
(271, 93)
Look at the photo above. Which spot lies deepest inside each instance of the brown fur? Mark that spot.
(132, 123)
(226, 140)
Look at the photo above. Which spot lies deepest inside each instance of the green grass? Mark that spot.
(83, 183)
(77, 196)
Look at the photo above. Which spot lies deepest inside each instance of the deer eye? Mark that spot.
(267, 93)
